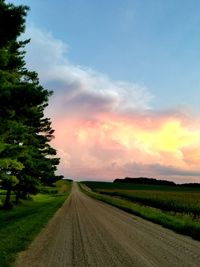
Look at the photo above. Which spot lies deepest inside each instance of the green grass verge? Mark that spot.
(181, 223)
(19, 226)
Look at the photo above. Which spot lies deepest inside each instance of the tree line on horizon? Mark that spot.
(26, 157)
(152, 181)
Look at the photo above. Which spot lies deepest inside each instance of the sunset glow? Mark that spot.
(117, 146)
(107, 128)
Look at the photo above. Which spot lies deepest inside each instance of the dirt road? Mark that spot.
(86, 232)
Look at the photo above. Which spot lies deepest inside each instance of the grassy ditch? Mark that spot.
(183, 223)
(19, 226)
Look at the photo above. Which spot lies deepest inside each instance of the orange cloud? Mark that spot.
(106, 147)
(106, 128)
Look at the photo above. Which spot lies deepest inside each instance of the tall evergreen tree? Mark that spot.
(26, 157)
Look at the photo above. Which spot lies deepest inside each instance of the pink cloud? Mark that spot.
(107, 129)
(112, 146)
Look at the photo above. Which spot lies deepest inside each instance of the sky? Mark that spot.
(125, 76)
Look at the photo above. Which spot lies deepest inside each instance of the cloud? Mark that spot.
(107, 129)
(44, 50)
(160, 170)
(118, 146)
(78, 87)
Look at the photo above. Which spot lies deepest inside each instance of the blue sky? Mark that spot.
(152, 43)
(125, 75)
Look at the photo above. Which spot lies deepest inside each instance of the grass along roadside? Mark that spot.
(179, 201)
(19, 226)
(181, 223)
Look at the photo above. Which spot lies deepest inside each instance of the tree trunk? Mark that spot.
(7, 204)
(17, 197)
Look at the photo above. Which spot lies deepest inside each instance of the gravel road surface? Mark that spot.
(86, 232)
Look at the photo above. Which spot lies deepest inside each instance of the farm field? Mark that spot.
(168, 198)
(20, 225)
(86, 232)
(176, 207)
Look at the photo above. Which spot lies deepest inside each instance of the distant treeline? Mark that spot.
(152, 181)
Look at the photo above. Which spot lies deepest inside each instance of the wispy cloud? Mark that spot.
(106, 128)
(79, 87)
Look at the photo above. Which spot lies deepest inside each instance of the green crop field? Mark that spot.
(168, 198)
(129, 186)
(176, 207)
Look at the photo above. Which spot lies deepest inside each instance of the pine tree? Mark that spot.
(26, 157)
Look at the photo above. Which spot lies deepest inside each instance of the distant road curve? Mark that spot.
(86, 232)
